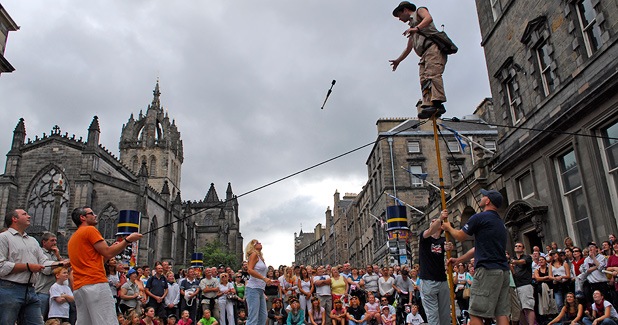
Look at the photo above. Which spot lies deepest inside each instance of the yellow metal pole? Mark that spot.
(449, 272)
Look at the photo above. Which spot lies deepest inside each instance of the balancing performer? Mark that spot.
(431, 65)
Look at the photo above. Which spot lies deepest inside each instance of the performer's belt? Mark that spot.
(17, 283)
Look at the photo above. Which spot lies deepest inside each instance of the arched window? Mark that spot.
(48, 190)
(135, 164)
(152, 240)
(153, 166)
(140, 134)
(159, 135)
(108, 219)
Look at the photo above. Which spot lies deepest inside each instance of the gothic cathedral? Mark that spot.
(51, 175)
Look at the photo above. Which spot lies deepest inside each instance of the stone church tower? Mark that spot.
(154, 140)
(52, 174)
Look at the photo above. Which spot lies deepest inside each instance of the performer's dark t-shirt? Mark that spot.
(489, 240)
(431, 258)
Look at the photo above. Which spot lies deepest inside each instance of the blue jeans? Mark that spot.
(256, 305)
(607, 321)
(559, 297)
(13, 306)
(44, 300)
(353, 323)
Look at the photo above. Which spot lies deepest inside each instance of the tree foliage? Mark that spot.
(215, 253)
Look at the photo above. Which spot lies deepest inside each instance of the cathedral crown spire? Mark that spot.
(156, 102)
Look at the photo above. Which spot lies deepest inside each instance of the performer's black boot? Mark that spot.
(437, 108)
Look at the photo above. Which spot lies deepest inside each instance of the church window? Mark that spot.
(152, 240)
(135, 164)
(42, 200)
(153, 166)
(159, 135)
(107, 222)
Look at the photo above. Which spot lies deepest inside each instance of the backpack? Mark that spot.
(444, 43)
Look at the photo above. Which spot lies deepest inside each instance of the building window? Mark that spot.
(152, 240)
(414, 146)
(490, 144)
(153, 166)
(496, 8)
(416, 181)
(512, 100)
(539, 52)
(108, 219)
(457, 170)
(544, 63)
(586, 16)
(573, 199)
(42, 201)
(453, 146)
(526, 186)
(610, 149)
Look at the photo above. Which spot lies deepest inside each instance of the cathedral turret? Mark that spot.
(19, 135)
(228, 193)
(211, 196)
(153, 139)
(14, 156)
(94, 132)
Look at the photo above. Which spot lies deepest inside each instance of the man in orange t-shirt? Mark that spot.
(87, 252)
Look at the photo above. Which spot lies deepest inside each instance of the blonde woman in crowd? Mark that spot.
(256, 301)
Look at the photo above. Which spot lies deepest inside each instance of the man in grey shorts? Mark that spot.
(522, 274)
(489, 294)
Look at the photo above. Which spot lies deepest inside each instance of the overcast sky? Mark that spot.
(244, 81)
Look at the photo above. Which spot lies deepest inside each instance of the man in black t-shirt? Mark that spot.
(434, 287)
(490, 288)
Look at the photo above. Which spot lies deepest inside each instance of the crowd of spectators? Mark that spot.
(568, 284)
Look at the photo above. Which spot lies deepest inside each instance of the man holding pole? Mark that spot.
(490, 289)
(434, 285)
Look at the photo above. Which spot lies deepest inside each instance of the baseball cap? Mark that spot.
(494, 196)
(131, 271)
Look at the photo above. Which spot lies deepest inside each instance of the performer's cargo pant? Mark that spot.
(430, 69)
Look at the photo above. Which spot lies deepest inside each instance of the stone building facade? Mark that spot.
(403, 144)
(553, 78)
(7, 24)
(309, 247)
(51, 175)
